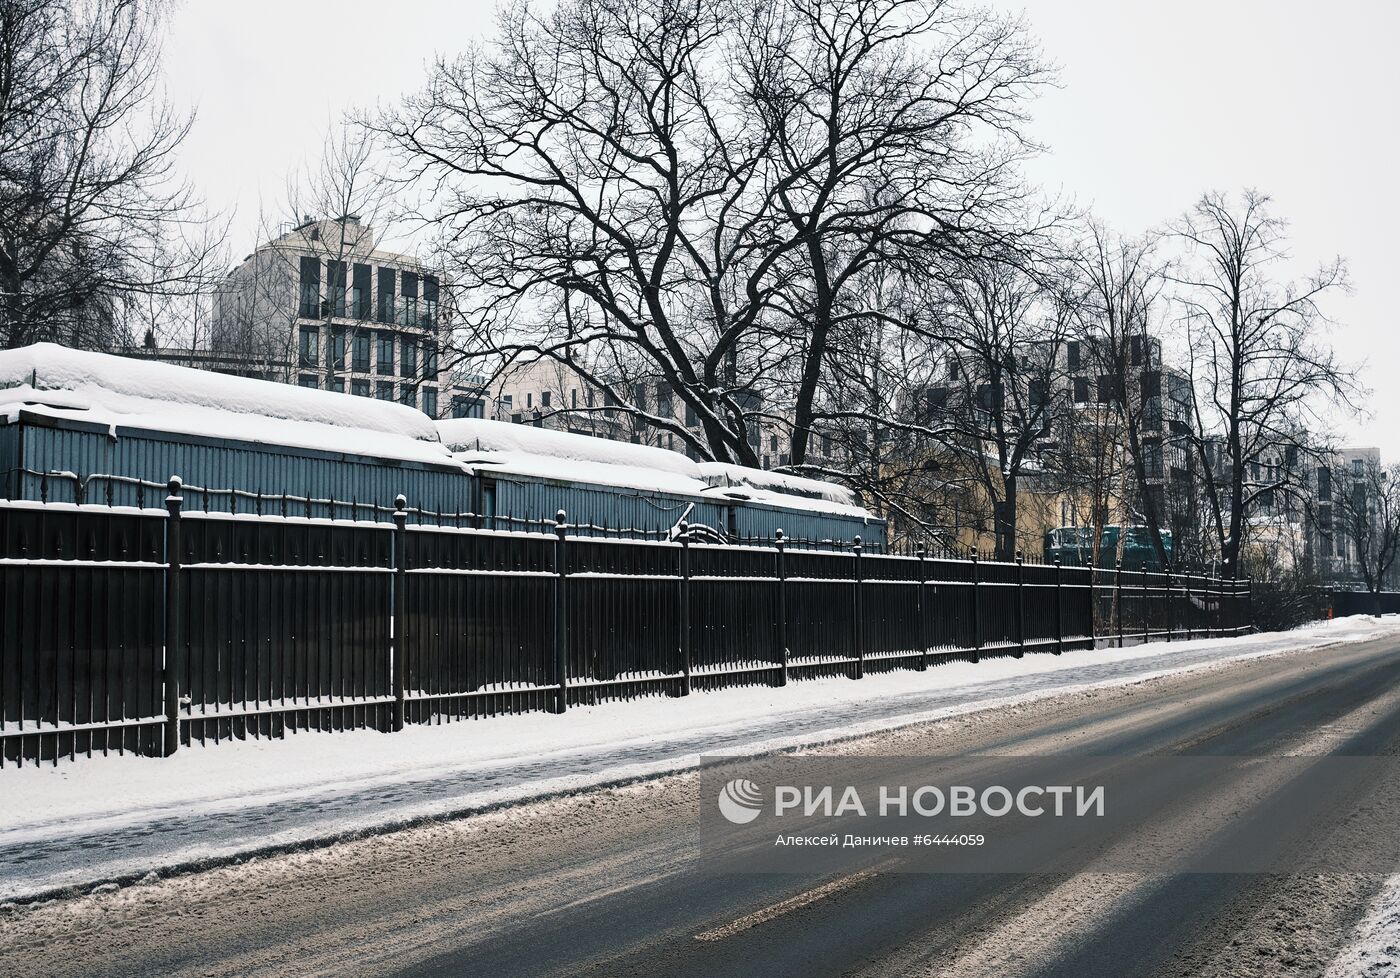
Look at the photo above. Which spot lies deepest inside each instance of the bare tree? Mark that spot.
(94, 218)
(1260, 367)
(698, 187)
(1366, 512)
(1121, 284)
(1004, 334)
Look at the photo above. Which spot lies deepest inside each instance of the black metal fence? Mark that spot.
(128, 629)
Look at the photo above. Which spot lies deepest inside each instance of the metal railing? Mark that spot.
(146, 629)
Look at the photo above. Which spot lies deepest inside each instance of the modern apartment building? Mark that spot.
(323, 306)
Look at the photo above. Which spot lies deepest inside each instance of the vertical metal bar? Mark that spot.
(1171, 600)
(976, 612)
(1189, 610)
(685, 607)
(856, 622)
(398, 646)
(922, 611)
(173, 645)
(561, 610)
(1020, 605)
(1146, 618)
(1059, 608)
(1118, 597)
(779, 561)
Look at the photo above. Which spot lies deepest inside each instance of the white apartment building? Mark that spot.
(323, 306)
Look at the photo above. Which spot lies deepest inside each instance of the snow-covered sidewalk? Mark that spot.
(112, 817)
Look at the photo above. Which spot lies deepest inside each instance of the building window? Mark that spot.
(360, 388)
(1072, 354)
(386, 354)
(544, 398)
(309, 351)
(430, 358)
(430, 401)
(470, 407)
(360, 356)
(529, 400)
(1324, 485)
(1081, 390)
(360, 292)
(336, 384)
(408, 395)
(430, 301)
(408, 357)
(691, 419)
(335, 288)
(1356, 467)
(384, 390)
(310, 304)
(507, 404)
(410, 299)
(386, 295)
(573, 397)
(337, 357)
(308, 380)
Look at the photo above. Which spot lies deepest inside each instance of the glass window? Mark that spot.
(430, 301)
(308, 380)
(430, 358)
(360, 357)
(408, 395)
(360, 292)
(386, 353)
(336, 384)
(430, 401)
(337, 357)
(408, 357)
(335, 288)
(471, 407)
(360, 388)
(384, 390)
(410, 299)
(544, 398)
(386, 295)
(310, 304)
(310, 343)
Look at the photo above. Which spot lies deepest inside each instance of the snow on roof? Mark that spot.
(548, 453)
(55, 381)
(715, 473)
(480, 434)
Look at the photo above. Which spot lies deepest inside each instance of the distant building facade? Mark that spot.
(322, 306)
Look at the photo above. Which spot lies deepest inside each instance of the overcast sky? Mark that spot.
(1159, 101)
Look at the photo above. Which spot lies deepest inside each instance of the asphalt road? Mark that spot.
(603, 884)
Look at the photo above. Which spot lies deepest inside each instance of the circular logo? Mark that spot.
(740, 801)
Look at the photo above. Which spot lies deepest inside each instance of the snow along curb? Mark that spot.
(15, 829)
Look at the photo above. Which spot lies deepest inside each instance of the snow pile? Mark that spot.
(245, 795)
(1375, 950)
(725, 474)
(552, 454)
(53, 380)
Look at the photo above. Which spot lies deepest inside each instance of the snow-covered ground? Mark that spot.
(1375, 948)
(116, 816)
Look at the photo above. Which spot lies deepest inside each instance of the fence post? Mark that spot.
(1190, 611)
(922, 612)
(1249, 603)
(1020, 605)
(684, 622)
(1059, 608)
(174, 648)
(1146, 616)
(1171, 599)
(397, 645)
(976, 612)
(1118, 597)
(780, 542)
(857, 623)
(561, 613)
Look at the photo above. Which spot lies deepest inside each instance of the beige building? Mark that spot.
(323, 306)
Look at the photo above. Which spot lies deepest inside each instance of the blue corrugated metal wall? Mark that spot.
(762, 522)
(615, 508)
(222, 464)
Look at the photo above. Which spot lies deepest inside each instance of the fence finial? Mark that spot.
(400, 503)
(174, 486)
